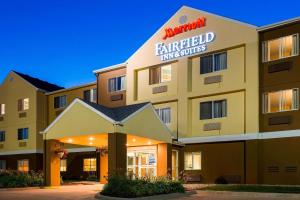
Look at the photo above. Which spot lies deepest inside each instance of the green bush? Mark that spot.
(120, 186)
(9, 179)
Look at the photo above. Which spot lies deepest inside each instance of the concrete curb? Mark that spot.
(161, 196)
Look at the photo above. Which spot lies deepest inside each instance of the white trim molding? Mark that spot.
(113, 67)
(78, 150)
(30, 151)
(241, 137)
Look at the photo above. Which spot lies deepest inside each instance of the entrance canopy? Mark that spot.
(89, 124)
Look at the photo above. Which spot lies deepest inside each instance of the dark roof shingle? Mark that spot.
(117, 113)
(43, 85)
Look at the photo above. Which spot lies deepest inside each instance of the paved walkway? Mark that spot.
(87, 192)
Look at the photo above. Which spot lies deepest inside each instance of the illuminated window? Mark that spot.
(164, 114)
(89, 164)
(160, 74)
(284, 100)
(22, 133)
(60, 101)
(23, 104)
(63, 165)
(23, 165)
(90, 95)
(213, 62)
(192, 161)
(2, 109)
(213, 109)
(116, 84)
(280, 48)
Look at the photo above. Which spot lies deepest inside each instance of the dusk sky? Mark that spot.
(63, 41)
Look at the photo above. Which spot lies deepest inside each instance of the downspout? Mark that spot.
(97, 89)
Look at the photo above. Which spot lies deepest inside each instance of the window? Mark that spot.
(192, 161)
(90, 95)
(23, 104)
(60, 101)
(22, 133)
(160, 74)
(213, 62)
(116, 84)
(23, 165)
(2, 136)
(63, 165)
(213, 109)
(284, 100)
(89, 164)
(2, 109)
(280, 48)
(164, 114)
(2, 164)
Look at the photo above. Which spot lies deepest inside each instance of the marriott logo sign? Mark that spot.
(171, 32)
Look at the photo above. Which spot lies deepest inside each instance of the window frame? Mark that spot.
(212, 109)
(265, 48)
(59, 102)
(160, 74)
(92, 93)
(23, 134)
(213, 61)
(265, 109)
(22, 166)
(2, 136)
(192, 154)
(159, 110)
(90, 164)
(2, 163)
(21, 104)
(116, 78)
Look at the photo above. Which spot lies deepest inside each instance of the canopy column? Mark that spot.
(52, 163)
(164, 159)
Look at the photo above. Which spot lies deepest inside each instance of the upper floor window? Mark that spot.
(279, 101)
(23, 165)
(2, 136)
(116, 84)
(2, 109)
(213, 109)
(89, 164)
(22, 133)
(213, 62)
(160, 74)
(60, 101)
(90, 95)
(280, 48)
(164, 114)
(192, 161)
(23, 104)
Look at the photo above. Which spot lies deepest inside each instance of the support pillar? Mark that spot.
(117, 153)
(52, 163)
(164, 160)
(103, 165)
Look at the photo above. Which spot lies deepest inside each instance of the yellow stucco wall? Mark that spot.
(12, 89)
(71, 94)
(239, 40)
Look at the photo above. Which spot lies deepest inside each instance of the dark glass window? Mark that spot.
(2, 136)
(213, 109)
(22, 133)
(213, 62)
(60, 101)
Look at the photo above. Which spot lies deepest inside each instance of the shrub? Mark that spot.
(221, 180)
(9, 178)
(122, 186)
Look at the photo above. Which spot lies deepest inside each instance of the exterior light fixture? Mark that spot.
(149, 143)
(90, 143)
(70, 140)
(133, 140)
(91, 138)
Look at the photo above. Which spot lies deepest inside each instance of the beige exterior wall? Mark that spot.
(71, 93)
(12, 89)
(239, 81)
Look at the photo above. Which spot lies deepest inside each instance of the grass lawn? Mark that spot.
(254, 188)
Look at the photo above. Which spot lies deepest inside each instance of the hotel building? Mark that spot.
(207, 95)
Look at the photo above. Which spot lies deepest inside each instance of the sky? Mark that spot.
(63, 41)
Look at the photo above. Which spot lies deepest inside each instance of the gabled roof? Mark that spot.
(118, 113)
(40, 84)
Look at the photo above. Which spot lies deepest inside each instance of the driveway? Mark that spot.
(87, 192)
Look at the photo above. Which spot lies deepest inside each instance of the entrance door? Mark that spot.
(174, 164)
(141, 161)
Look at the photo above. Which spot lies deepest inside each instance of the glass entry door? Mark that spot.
(141, 161)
